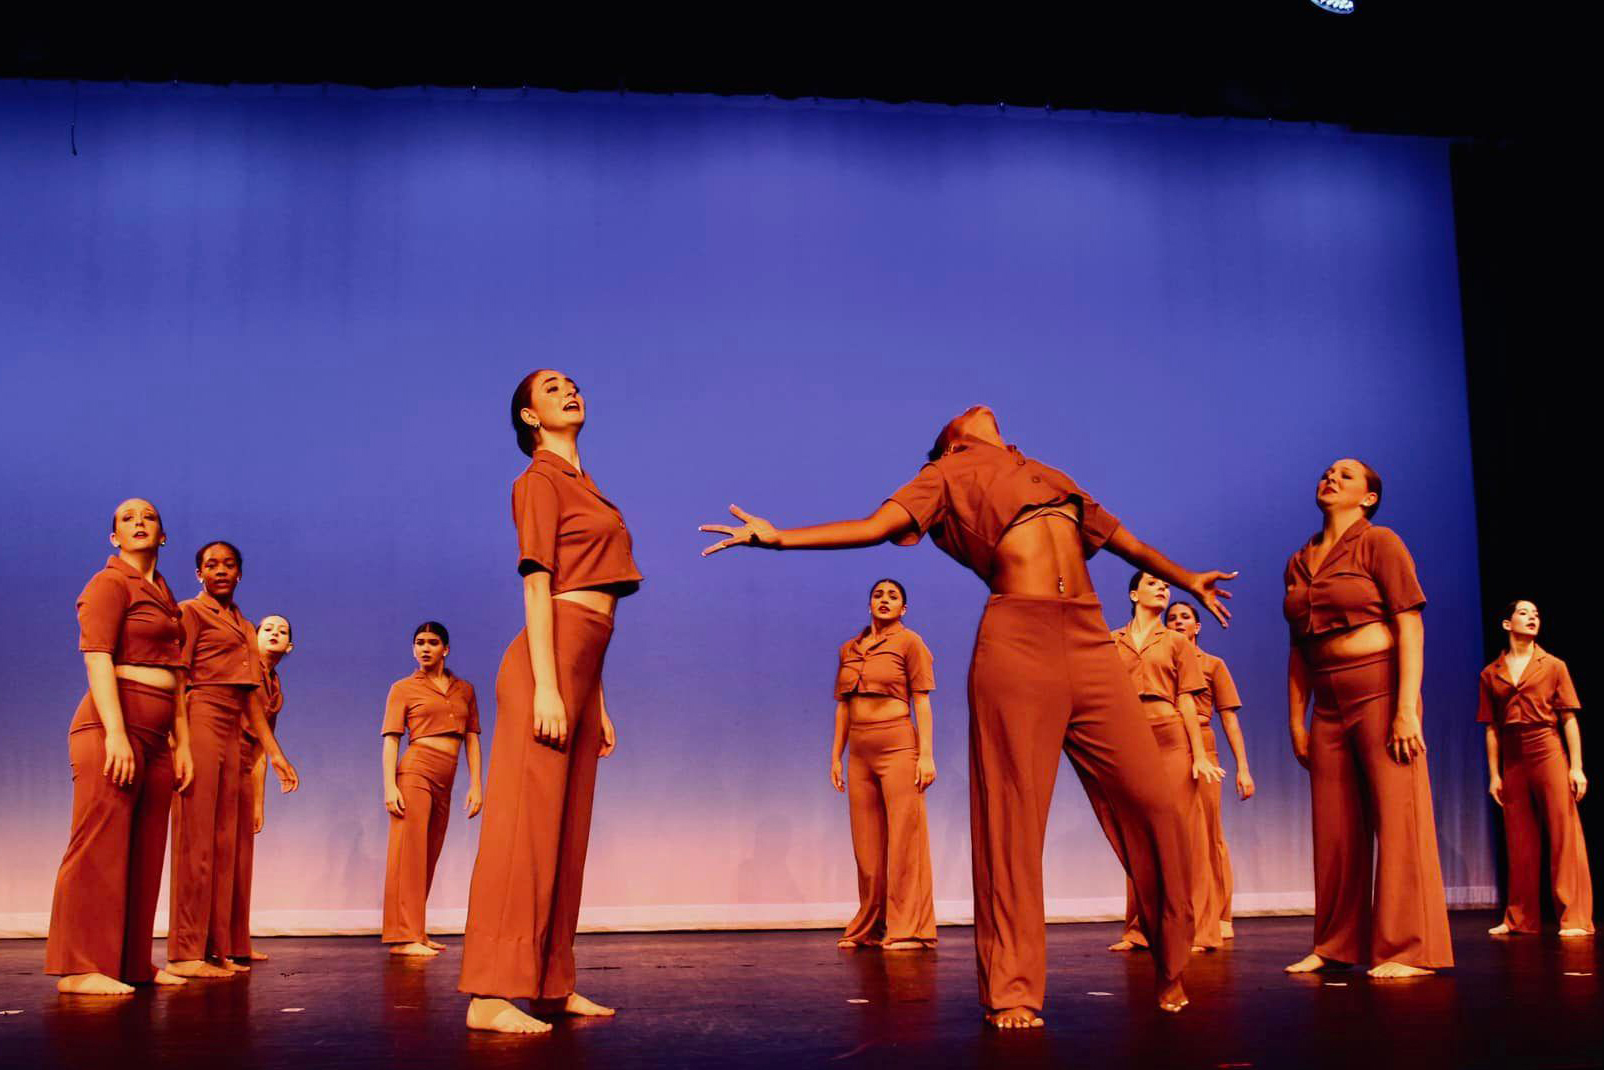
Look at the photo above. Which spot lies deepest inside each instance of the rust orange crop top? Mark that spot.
(1367, 576)
(1544, 693)
(896, 663)
(1163, 668)
(967, 499)
(221, 644)
(566, 528)
(1219, 692)
(415, 706)
(271, 697)
(135, 620)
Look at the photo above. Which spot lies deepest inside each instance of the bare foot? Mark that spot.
(1199, 949)
(1122, 945)
(578, 1005)
(499, 1016)
(197, 968)
(903, 945)
(844, 942)
(235, 967)
(1569, 933)
(437, 945)
(1172, 1000)
(1015, 1018)
(258, 956)
(164, 978)
(92, 984)
(1227, 931)
(1312, 963)
(418, 950)
(1500, 929)
(1392, 970)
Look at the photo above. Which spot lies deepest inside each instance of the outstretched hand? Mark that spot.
(1208, 591)
(754, 531)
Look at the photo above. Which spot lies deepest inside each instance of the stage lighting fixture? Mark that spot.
(1336, 7)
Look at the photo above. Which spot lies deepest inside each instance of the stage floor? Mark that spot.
(777, 999)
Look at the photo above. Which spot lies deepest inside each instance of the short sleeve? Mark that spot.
(1224, 688)
(101, 607)
(473, 710)
(1394, 572)
(1484, 701)
(395, 712)
(1189, 679)
(537, 511)
(1565, 700)
(924, 497)
(189, 617)
(1097, 525)
(921, 666)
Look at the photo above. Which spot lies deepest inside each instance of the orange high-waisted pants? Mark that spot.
(523, 904)
(1211, 857)
(1538, 802)
(1364, 803)
(206, 826)
(1170, 734)
(244, 850)
(1045, 677)
(111, 876)
(424, 776)
(890, 840)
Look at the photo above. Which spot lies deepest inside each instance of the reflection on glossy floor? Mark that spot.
(792, 999)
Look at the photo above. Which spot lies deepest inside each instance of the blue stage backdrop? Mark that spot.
(293, 319)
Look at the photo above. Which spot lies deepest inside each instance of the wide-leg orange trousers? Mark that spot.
(1045, 677)
(244, 850)
(1367, 805)
(523, 904)
(1214, 860)
(1170, 734)
(890, 838)
(104, 907)
(1538, 804)
(206, 828)
(424, 776)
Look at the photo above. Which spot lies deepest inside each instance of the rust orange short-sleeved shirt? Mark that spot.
(418, 708)
(1164, 667)
(1219, 692)
(1368, 576)
(967, 499)
(135, 620)
(566, 528)
(271, 697)
(1544, 693)
(896, 663)
(221, 644)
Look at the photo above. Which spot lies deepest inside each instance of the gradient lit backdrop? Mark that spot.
(293, 319)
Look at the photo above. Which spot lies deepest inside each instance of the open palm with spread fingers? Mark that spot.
(753, 531)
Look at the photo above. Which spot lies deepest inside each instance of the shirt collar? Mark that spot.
(1339, 549)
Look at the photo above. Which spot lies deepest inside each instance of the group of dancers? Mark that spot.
(183, 698)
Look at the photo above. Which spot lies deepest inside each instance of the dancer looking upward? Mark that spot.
(1044, 676)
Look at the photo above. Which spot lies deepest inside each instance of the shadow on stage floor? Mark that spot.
(779, 999)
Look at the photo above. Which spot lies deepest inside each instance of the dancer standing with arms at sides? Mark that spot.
(129, 747)
(1044, 676)
(273, 644)
(574, 558)
(1219, 694)
(882, 672)
(224, 671)
(439, 713)
(1167, 677)
(1353, 603)
(1529, 706)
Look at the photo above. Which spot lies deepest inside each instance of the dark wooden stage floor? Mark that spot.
(773, 1000)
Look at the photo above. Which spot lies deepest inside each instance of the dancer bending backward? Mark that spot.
(128, 744)
(1168, 679)
(551, 723)
(1218, 694)
(1353, 602)
(273, 644)
(1528, 703)
(882, 671)
(438, 711)
(1044, 676)
(224, 673)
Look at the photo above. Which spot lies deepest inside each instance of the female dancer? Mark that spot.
(224, 670)
(273, 644)
(882, 670)
(1528, 703)
(438, 711)
(1219, 693)
(1044, 676)
(1168, 678)
(1353, 603)
(129, 746)
(551, 723)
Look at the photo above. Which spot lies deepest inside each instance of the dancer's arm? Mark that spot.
(838, 744)
(1204, 586)
(1232, 728)
(1495, 779)
(183, 757)
(1202, 768)
(550, 715)
(119, 765)
(925, 719)
(288, 779)
(879, 526)
(609, 734)
(1298, 704)
(1409, 632)
(258, 788)
(1573, 746)
(393, 801)
(475, 797)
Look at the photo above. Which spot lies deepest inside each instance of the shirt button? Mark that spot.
(1035, 479)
